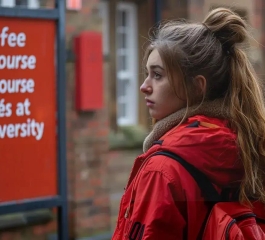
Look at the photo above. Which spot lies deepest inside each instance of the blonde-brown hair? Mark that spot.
(214, 49)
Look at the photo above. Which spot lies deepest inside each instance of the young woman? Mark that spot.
(208, 108)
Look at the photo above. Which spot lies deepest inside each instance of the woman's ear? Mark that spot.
(200, 83)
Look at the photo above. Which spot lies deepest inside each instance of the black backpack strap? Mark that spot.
(202, 180)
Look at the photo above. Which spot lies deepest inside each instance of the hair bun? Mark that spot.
(227, 26)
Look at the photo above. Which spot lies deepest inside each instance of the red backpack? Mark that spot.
(227, 220)
(231, 220)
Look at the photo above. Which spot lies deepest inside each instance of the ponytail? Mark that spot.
(245, 101)
(248, 119)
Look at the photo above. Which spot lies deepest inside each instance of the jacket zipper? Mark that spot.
(231, 223)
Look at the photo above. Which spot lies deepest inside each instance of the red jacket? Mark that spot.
(161, 200)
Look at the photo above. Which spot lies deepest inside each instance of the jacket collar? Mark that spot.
(214, 108)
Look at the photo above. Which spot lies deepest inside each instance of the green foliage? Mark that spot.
(127, 137)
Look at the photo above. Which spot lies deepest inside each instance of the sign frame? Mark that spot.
(59, 201)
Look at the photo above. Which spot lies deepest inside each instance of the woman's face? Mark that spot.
(159, 95)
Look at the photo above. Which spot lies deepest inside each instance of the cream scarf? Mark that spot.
(214, 108)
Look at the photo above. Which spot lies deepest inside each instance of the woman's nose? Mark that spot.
(145, 88)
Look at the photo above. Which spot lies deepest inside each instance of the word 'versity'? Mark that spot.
(26, 129)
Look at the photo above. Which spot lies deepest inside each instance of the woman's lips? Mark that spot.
(149, 103)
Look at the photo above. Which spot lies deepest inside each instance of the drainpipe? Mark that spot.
(158, 9)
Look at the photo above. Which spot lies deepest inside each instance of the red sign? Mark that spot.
(27, 109)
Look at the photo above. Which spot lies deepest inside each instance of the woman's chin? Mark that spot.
(155, 116)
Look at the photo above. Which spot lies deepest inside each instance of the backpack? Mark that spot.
(227, 220)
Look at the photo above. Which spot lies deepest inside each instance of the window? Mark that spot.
(20, 3)
(127, 87)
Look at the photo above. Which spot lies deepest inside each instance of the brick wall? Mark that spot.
(40, 232)
(87, 144)
(96, 176)
(119, 166)
(172, 9)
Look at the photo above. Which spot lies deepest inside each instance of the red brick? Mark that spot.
(38, 230)
(51, 227)
(6, 236)
(102, 201)
(70, 29)
(86, 10)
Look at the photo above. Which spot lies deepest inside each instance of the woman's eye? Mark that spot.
(157, 76)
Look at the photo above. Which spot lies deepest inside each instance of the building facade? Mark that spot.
(102, 144)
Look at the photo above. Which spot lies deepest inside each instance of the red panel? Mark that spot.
(28, 166)
(89, 71)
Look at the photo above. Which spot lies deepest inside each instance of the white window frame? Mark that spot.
(8, 3)
(131, 99)
(12, 3)
(33, 3)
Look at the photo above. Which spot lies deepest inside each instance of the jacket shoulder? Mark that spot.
(168, 168)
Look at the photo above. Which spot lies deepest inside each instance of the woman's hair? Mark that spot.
(214, 49)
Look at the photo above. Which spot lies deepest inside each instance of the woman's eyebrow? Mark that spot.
(155, 66)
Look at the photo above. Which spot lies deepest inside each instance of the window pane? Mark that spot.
(122, 110)
(122, 62)
(119, 63)
(123, 40)
(123, 19)
(122, 87)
